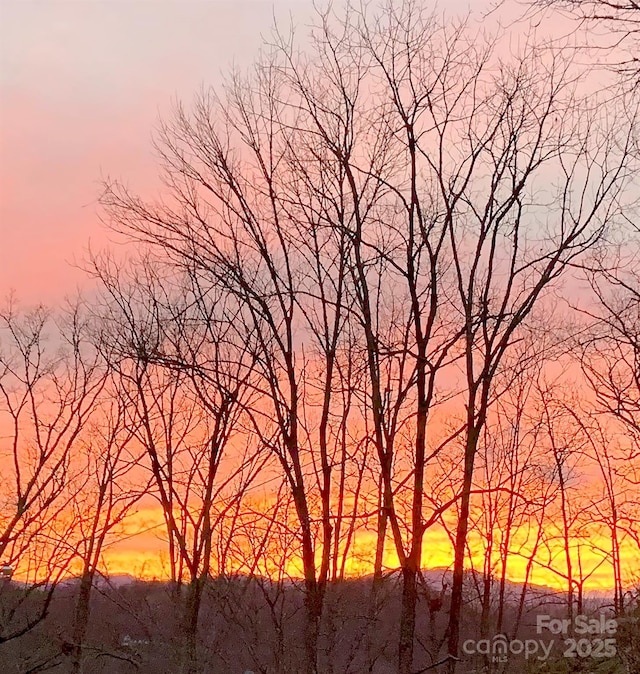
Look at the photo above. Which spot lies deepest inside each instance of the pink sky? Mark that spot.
(82, 84)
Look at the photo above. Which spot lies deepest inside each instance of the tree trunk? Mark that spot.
(312, 590)
(189, 663)
(313, 603)
(81, 621)
(461, 541)
(408, 617)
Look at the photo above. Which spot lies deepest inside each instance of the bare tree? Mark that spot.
(405, 178)
(185, 385)
(619, 18)
(609, 355)
(610, 351)
(269, 248)
(50, 382)
(106, 492)
(500, 274)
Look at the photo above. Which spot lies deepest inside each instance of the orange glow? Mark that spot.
(142, 553)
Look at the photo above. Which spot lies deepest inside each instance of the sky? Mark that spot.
(82, 85)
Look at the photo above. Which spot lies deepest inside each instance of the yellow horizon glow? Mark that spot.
(143, 555)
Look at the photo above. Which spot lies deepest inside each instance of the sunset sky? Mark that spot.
(83, 84)
(319, 335)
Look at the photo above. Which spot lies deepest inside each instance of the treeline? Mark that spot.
(252, 625)
(389, 290)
